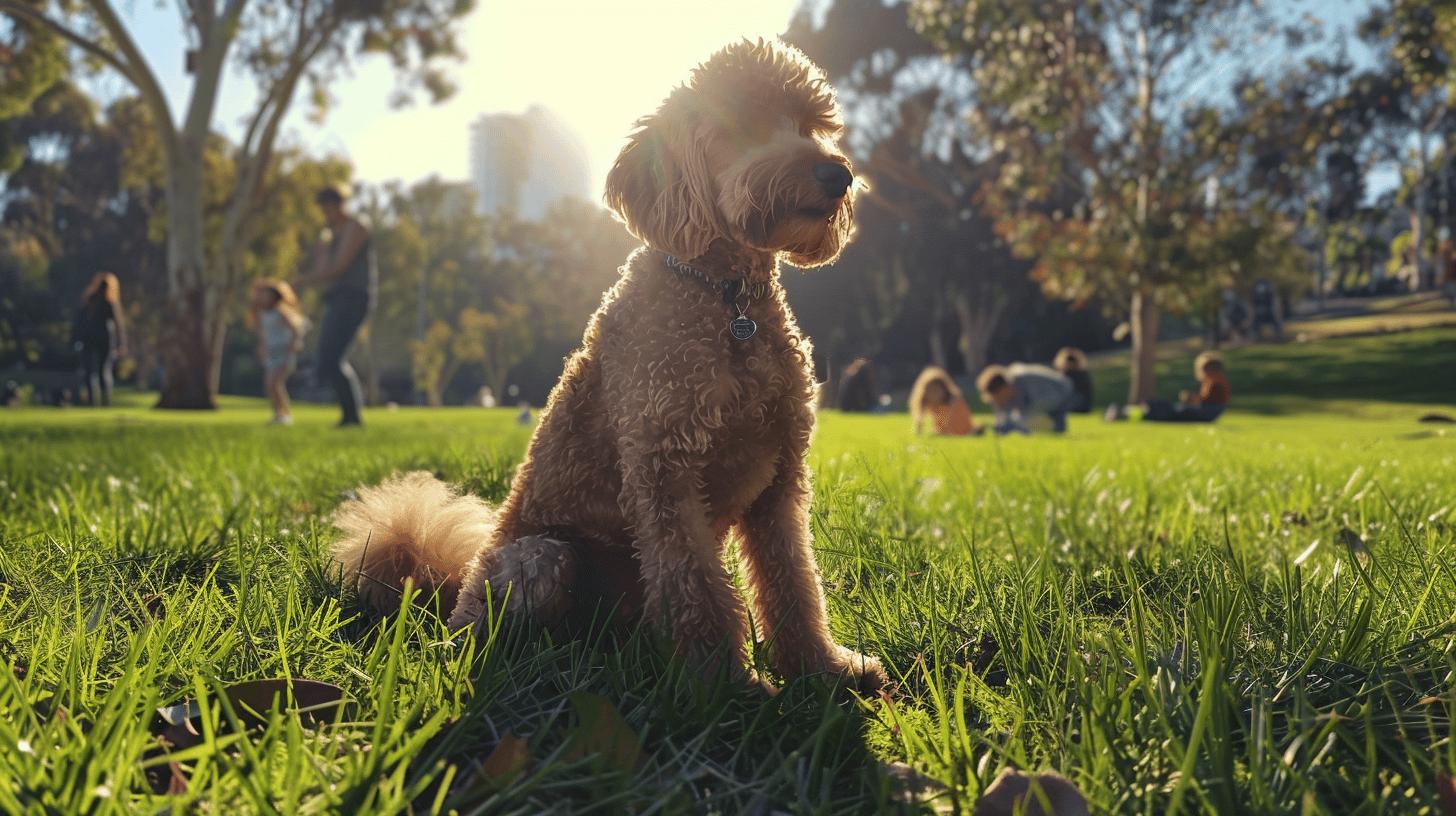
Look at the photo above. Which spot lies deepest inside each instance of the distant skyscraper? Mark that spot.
(526, 162)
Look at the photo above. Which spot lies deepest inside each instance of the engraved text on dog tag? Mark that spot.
(742, 327)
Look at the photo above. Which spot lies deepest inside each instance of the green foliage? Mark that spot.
(70, 210)
(1077, 99)
(31, 61)
(494, 340)
(537, 281)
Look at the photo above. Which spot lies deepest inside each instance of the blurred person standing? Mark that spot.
(857, 387)
(344, 267)
(99, 335)
(1266, 311)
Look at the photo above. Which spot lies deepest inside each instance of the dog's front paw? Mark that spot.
(860, 672)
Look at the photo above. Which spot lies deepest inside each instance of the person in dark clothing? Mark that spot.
(99, 335)
(344, 267)
(1072, 364)
(1266, 311)
(857, 392)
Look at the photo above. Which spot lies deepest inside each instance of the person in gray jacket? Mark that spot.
(1021, 391)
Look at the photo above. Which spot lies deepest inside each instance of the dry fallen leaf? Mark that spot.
(510, 757)
(312, 700)
(1014, 789)
(175, 728)
(603, 733)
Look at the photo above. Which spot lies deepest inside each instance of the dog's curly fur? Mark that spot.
(665, 434)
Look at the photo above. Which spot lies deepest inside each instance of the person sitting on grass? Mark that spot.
(1072, 364)
(1206, 405)
(280, 326)
(1021, 391)
(936, 396)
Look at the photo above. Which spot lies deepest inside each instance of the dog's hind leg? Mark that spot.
(534, 574)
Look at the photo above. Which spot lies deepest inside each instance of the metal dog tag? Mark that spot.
(742, 327)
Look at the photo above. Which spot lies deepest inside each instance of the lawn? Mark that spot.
(1253, 617)
(1377, 375)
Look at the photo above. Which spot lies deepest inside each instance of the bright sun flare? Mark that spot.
(597, 64)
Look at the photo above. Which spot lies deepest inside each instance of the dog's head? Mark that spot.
(746, 150)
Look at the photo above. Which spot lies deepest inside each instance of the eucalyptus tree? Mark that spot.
(290, 49)
(1103, 103)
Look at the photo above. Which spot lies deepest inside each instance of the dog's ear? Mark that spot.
(662, 190)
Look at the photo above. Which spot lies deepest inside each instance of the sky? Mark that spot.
(599, 64)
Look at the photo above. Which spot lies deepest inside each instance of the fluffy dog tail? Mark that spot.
(410, 527)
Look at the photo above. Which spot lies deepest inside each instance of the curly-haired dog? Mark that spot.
(686, 414)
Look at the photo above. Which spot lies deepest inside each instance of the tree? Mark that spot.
(1420, 72)
(494, 340)
(71, 207)
(505, 339)
(286, 46)
(927, 257)
(1088, 102)
(30, 63)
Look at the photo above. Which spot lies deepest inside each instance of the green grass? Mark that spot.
(1383, 375)
(1167, 615)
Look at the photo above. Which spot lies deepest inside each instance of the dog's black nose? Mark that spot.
(834, 177)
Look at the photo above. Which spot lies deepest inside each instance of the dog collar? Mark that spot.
(736, 292)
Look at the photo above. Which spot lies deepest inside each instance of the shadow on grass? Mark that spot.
(609, 721)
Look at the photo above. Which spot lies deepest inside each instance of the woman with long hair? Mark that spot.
(99, 334)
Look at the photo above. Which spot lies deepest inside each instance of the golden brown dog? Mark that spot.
(686, 415)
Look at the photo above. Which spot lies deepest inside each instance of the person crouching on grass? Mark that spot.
(1022, 391)
(275, 316)
(936, 396)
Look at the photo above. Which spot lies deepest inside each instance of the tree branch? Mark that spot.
(255, 152)
(140, 73)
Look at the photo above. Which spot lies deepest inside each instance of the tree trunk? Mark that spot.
(192, 334)
(196, 300)
(977, 325)
(1142, 383)
(1418, 212)
(1144, 321)
(937, 337)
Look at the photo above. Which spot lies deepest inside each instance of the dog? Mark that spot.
(684, 419)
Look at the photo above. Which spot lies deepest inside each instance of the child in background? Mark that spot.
(935, 395)
(1022, 391)
(280, 327)
(1072, 364)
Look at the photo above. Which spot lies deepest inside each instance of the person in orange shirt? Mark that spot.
(936, 396)
(1206, 405)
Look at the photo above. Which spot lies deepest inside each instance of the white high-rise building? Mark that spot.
(526, 162)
